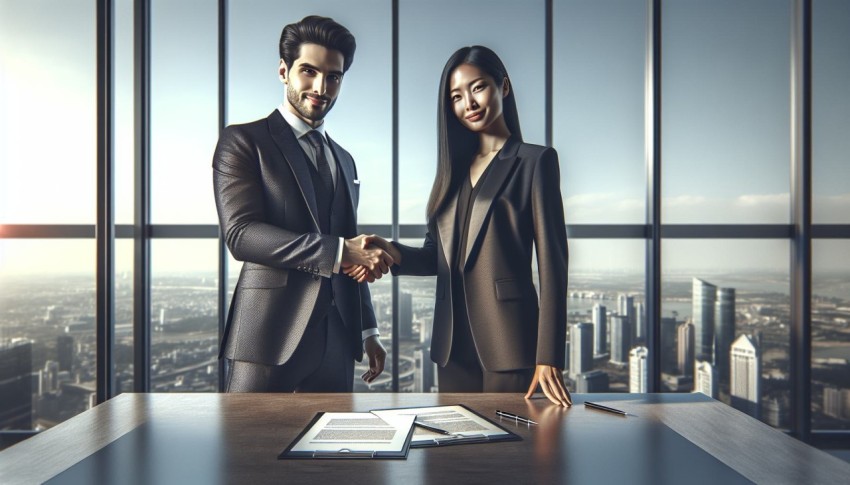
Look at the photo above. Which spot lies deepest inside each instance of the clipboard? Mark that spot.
(309, 444)
(424, 439)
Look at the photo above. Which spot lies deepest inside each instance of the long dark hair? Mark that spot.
(457, 145)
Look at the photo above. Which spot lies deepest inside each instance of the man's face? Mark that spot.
(313, 82)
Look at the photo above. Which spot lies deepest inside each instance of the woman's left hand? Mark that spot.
(551, 380)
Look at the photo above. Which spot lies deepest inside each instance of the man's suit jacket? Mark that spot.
(519, 204)
(267, 211)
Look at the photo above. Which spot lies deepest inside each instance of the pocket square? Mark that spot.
(356, 181)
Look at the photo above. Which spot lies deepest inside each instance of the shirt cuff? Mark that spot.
(338, 261)
(369, 332)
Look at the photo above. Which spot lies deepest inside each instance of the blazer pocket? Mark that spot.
(263, 278)
(508, 289)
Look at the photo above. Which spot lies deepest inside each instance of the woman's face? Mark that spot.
(476, 98)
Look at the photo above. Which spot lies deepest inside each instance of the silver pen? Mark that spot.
(515, 417)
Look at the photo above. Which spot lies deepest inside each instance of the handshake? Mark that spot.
(368, 257)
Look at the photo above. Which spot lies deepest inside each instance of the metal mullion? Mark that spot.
(549, 71)
(105, 228)
(47, 231)
(222, 122)
(141, 260)
(395, 224)
(801, 189)
(652, 107)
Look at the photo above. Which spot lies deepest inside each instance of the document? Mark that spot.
(353, 435)
(460, 424)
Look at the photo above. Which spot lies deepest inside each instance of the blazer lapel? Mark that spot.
(346, 171)
(285, 140)
(493, 183)
(446, 221)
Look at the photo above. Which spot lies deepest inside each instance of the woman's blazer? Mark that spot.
(517, 209)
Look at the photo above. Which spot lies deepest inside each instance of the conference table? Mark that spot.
(236, 438)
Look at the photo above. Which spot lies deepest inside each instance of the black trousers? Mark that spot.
(323, 362)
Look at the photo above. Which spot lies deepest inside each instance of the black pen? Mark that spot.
(432, 428)
(603, 408)
(519, 419)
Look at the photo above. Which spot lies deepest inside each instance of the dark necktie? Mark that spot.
(322, 165)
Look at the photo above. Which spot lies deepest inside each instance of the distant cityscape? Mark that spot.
(728, 341)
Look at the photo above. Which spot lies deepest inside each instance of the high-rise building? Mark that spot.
(405, 316)
(640, 323)
(776, 412)
(425, 371)
(621, 340)
(638, 372)
(581, 349)
(704, 297)
(668, 344)
(705, 379)
(16, 386)
(745, 383)
(685, 353)
(600, 330)
(626, 307)
(724, 330)
(593, 381)
(836, 403)
(65, 352)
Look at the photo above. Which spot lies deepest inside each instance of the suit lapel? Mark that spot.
(446, 221)
(285, 140)
(345, 172)
(493, 183)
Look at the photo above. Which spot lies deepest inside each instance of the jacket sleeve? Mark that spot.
(239, 189)
(417, 261)
(550, 237)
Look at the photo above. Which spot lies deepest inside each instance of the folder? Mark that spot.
(352, 436)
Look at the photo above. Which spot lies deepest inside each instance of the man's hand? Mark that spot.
(360, 272)
(375, 260)
(551, 380)
(377, 355)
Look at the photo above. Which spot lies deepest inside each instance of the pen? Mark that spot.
(603, 408)
(432, 428)
(515, 417)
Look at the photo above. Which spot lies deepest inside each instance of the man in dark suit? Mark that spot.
(287, 197)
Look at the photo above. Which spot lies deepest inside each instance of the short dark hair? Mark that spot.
(314, 29)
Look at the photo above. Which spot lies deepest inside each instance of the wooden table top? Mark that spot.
(235, 438)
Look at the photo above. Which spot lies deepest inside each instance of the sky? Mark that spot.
(725, 113)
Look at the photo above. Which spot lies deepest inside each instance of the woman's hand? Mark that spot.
(551, 380)
(359, 272)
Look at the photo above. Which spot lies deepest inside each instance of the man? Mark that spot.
(287, 196)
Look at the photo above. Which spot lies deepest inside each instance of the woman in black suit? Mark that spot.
(494, 199)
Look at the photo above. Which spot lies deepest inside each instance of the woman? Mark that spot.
(494, 198)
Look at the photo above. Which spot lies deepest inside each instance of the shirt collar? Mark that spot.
(299, 127)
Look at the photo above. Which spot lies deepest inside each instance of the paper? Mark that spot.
(462, 422)
(354, 433)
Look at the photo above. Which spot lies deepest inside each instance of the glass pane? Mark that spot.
(382, 293)
(418, 373)
(428, 24)
(47, 121)
(725, 115)
(123, 111)
(184, 110)
(605, 315)
(123, 352)
(726, 323)
(830, 111)
(254, 89)
(831, 334)
(598, 97)
(184, 315)
(47, 331)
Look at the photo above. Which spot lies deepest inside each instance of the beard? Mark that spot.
(305, 108)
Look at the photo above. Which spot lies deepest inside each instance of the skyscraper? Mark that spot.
(686, 348)
(581, 349)
(745, 384)
(637, 369)
(668, 344)
(405, 316)
(706, 379)
(626, 307)
(704, 296)
(593, 381)
(640, 323)
(836, 402)
(65, 352)
(600, 330)
(620, 339)
(724, 330)
(16, 386)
